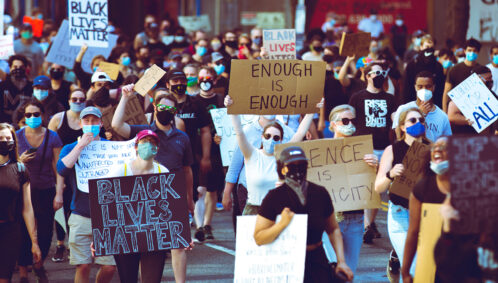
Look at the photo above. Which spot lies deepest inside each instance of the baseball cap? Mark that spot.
(42, 81)
(146, 133)
(90, 110)
(174, 55)
(175, 74)
(216, 56)
(417, 33)
(100, 77)
(292, 154)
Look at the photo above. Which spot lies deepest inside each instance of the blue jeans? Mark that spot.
(352, 236)
(397, 227)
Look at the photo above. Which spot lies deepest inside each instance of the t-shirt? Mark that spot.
(13, 176)
(40, 167)
(459, 73)
(318, 207)
(494, 72)
(373, 116)
(125, 170)
(374, 27)
(33, 52)
(261, 172)
(355, 86)
(11, 98)
(195, 117)
(426, 190)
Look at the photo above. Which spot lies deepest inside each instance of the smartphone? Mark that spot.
(31, 150)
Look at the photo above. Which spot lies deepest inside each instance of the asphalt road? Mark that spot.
(214, 261)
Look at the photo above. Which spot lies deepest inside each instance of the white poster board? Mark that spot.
(476, 102)
(270, 20)
(2, 12)
(6, 46)
(280, 261)
(280, 43)
(224, 129)
(193, 23)
(483, 25)
(63, 54)
(99, 159)
(88, 23)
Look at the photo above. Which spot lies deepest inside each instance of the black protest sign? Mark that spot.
(88, 23)
(474, 183)
(141, 213)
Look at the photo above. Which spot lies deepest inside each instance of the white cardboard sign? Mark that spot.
(6, 46)
(88, 23)
(280, 43)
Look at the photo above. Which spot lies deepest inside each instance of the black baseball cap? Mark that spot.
(175, 74)
(292, 154)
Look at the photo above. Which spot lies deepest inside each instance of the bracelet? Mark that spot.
(388, 175)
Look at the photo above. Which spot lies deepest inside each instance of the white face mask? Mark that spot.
(347, 130)
(424, 94)
(399, 23)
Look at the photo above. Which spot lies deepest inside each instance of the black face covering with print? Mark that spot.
(180, 89)
(296, 179)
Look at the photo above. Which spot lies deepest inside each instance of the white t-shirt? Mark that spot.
(261, 176)
(125, 170)
(375, 28)
(309, 56)
(494, 72)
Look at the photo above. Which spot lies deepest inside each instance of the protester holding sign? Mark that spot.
(84, 77)
(79, 221)
(411, 124)
(297, 195)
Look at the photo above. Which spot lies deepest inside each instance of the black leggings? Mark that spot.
(10, 242)
(151, 266)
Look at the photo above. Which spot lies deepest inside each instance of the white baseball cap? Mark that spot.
(100, 77)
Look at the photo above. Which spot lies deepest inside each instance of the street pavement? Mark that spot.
(214, 261)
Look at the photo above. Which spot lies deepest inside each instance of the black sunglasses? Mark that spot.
(269, 136)
(35, 114)
(345, 121)
(76, 100)
(415, 120)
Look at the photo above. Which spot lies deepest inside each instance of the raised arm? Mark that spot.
(343, 73)
(305, 125)
(242, 141)
(118, 124)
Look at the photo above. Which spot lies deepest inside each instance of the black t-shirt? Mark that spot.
(373, 115)
(210, 103)
(334, 95)
(355, 86)
(459, 73)
(14, 176)
(426, 190)
(62, 94)
(11, 98)
(195, 117)
(318, 207)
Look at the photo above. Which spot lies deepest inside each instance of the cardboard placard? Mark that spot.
(63, 54)
(88, 23)
(141, 213)
(476, 102)
(482, 21)
(355, 44)
(224, 129)
(270, 20)
(280, 43)
(194, 23)
(337, 165)
(474, 183)
(110, 69)
(431, 224)
(275, 86)
(134, 115)
(280, 261)
(6, 46)
(36, 24)
(415, 162)
(248, 18)
(98, 159)
(149, 79)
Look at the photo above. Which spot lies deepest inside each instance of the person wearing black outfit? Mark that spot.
(83, 77)
(16, 89)
(399, 35)
(296, 195)
(60, 87)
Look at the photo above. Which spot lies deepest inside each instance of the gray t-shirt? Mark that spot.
(33, 52)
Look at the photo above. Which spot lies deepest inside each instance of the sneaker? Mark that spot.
(368, 235)
(41, 275)
(208, 232)
(393, 268)
(219, 206)
(376, 232)
(199, 235)
(59, 254)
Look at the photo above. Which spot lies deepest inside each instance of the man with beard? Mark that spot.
(15, 89)
(424, 61)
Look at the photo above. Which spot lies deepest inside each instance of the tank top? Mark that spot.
(400, 148)
(62, 94)
(66, 133)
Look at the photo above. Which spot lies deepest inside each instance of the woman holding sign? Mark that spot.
(411, 125)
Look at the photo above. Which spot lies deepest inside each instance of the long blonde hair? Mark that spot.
(401, 122)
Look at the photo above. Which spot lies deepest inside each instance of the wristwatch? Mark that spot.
(388, 175)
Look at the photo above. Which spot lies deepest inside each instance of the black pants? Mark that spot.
(10, 242)
(42, 201)
(317, 268)
(239, 196)
(151, 266)
(67, 196)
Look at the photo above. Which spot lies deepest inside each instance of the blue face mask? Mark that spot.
(471, 56)
(417, 41)
(201, 50)
(269, 145)
(146, 150)
(447, 64)
(40, 94)
(95, 69)
(94, 129)
(416, 130)
(495, 59)
(126, 61)
(441, 167)
(257, 41)
(219, 69)
(34, 122)
(77, 106)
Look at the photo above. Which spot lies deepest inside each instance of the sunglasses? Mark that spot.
(378, 72)
(415, 120)
(162, 107)
(78, 100)
(269, 136)
(35, 114)
(346, 121)
(205, 78)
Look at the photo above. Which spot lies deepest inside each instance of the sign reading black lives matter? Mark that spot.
(88, 23)
(474, 183)
(141, 213)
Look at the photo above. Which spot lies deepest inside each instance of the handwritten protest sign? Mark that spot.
(98, 158)
(224, 129)
(280, 43)
(134, 115)
(63, 54)
(88, 23)
(483, 25)
(431, 224)
(149, 79)
(141, 213)
(6, 46)
(337, 165)
(476, 102)
(474, 182)
(275, 86)
(2, 12)
(280, 261)
(355, 44)
(110, 69)
(270, 20)
(415, 162)
(193, 23)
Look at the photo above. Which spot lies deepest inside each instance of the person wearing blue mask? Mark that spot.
(461, 71)
(201, 51)
(257, 39)
(411, 124)
(80, 237)
(40, 149)
(27, 46)
(493, 66)
(447, 59)
(126, 66)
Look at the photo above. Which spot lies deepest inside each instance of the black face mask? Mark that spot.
(296, 176)
(179, 89)
(328, 58)
(165, 117)
(232, 44)
(18, 73)
(206, 85)
(318, 48)
(378, 81)
(56, 74)
(6, 147)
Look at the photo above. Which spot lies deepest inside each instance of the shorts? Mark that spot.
(80, 239)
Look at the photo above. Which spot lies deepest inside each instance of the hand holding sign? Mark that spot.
(149, 79)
